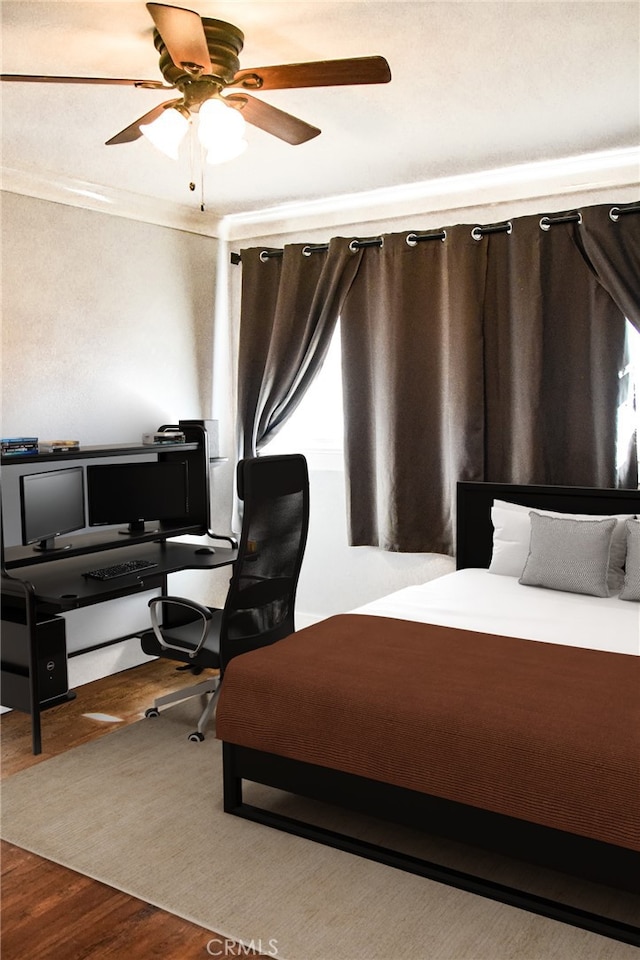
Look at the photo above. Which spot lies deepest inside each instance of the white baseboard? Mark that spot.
(86, 667)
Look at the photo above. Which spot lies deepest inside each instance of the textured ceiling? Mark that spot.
(474, 86)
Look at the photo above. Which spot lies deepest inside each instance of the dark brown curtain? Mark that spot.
(290, 305)
(554, 346)
(496, 359)
(411, 331)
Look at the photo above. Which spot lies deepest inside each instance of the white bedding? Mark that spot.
(484, 602)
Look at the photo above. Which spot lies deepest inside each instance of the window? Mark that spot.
(316, 427)
(629, 410)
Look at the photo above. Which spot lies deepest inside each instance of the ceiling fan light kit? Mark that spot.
(221, 130)
(199, 58)
(167, 131)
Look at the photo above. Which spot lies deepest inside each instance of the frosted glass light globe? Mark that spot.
(219, 123)
(167, 131)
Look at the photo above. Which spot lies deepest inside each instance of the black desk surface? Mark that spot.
(59, 584)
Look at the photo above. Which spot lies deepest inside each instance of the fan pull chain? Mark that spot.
(201, 181)
(196, 159)
(192, 183)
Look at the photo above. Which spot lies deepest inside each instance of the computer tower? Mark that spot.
(51, 664)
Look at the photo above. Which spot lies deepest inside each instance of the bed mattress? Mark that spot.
(477, 600)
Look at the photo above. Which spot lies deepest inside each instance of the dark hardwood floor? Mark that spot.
(51, 912)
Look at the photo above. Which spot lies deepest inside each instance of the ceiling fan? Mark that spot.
(199, 59)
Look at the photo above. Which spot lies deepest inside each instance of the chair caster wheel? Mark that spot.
(152, 712)
(196, 736)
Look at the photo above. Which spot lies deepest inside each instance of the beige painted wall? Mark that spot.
(107, 323)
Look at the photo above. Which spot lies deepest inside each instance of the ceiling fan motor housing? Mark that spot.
(224, 43)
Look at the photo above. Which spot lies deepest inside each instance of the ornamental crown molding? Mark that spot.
(580, 177)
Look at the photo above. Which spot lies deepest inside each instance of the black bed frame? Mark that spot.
(589, 859)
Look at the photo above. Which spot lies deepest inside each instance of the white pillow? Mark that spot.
(512, 537)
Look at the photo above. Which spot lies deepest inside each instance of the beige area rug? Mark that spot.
(141, 810)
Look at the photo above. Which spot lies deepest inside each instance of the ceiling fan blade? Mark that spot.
(318, 73)
(272, 120)
(133, 131)
(147, 84)
(184, 37)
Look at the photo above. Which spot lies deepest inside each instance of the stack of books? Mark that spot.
(19, 446)
(59, 446)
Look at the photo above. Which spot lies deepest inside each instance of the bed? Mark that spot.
(500, 713)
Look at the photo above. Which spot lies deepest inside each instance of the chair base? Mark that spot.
(207, 688)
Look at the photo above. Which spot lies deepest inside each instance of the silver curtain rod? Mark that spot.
(477, 233)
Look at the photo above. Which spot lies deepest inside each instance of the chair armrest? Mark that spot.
(203, 612)
(222, 536)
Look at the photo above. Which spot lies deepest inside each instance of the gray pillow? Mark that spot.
(631, 588)
(571, 555)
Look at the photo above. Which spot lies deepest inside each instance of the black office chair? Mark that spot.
(259, 608)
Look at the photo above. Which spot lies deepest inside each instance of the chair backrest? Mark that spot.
(259, 608)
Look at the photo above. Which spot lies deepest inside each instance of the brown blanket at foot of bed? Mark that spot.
(545, 733)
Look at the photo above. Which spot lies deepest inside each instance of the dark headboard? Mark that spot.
(474, 539)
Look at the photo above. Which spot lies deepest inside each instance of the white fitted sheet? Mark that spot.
(477, 600)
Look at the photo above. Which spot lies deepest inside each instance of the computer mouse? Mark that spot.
(205, 550)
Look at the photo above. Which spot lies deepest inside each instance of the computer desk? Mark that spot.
(34, 658)
(37, 589)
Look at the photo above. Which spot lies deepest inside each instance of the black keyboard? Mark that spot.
(120, 569)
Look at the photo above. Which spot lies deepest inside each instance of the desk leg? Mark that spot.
(34, 681)
(36, 732)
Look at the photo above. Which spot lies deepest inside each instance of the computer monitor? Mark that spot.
(51, 504)
(134, 493)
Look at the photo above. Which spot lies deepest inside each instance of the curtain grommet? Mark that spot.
(355, 245)
(479, 232)
(306, 251)
(264, 256)
(413, 239)
(614, 214)
(546, 222)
